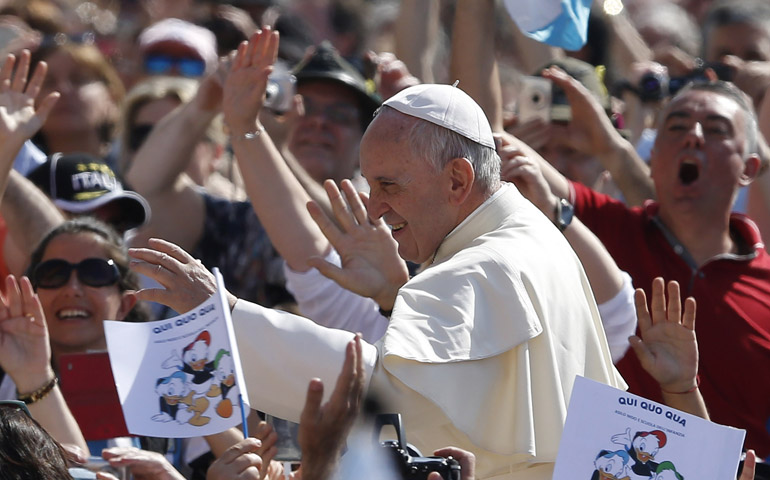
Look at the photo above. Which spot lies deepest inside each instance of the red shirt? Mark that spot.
(733, 313)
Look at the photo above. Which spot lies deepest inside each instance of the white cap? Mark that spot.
(197, 38)
(447, 107)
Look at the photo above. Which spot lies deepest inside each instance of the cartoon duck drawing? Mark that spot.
(225, 375)
(611, 465)
(177, 402)
(642, 449)
(195, 362)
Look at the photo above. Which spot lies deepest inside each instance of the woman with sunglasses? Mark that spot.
(81, 276)
(80, 273)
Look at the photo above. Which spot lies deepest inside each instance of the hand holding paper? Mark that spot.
(187, 282)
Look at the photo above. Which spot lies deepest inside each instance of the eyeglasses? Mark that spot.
(164, 64)
(340, 113)
(18, 405)
(94, 272)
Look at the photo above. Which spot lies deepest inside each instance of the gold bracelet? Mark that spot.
(38, 394)
(254, 134)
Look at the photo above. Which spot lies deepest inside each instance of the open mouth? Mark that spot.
(688, 173)
(397, 227)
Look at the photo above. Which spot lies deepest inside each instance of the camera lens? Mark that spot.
(653, 87)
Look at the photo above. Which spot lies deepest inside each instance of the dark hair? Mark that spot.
(27, 451)
(116, 250)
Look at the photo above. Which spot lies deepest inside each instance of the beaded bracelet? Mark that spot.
(697, 384)
(39, 394)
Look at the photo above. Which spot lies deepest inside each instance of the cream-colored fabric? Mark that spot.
(281, 352)
(481, 352)
(495, 331)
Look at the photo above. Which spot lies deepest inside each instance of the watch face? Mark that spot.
(567, 212)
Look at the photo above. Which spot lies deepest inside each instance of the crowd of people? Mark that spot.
(454, 252)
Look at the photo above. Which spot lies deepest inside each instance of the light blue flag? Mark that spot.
(561, 23)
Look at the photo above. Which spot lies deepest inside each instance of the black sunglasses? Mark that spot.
(94, 272)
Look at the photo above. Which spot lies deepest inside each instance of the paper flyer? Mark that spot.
(611, 434)
(179, 377)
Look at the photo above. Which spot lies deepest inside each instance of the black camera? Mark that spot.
(655, 86)
(407, 460)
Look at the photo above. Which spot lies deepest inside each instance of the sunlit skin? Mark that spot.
(75, 311)
(705, 130)
(745, 41)
(324, 147)
(420, 205)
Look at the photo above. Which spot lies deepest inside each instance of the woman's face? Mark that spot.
(85, 101)
(75, 311)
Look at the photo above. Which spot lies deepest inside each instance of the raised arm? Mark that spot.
(157, 169)
(20, 119)
(29, 214)
(275, 193)
(591, 132)
(473, 57)
(25, 355)
(417, 31)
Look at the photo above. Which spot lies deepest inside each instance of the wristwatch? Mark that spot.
(563, 214)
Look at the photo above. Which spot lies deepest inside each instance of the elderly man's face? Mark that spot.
(406, 191)
(325, 140)
(697, 162)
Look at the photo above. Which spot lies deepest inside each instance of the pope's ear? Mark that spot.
(461, 177)
(751, 167)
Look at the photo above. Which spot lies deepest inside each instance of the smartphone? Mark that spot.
(534, 100)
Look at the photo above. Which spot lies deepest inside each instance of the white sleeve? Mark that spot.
(619, 319)
(280, 353)
(327, 303)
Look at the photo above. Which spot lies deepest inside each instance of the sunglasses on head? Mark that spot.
(164, 64)
(94, 272)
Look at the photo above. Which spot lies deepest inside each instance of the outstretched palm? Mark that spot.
(19, 119)
(667, 349)
(371, 266)
(244, 90)
(24, 348)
